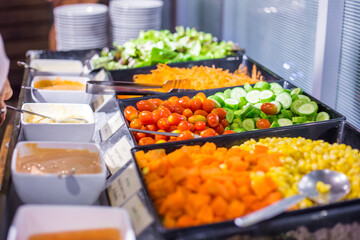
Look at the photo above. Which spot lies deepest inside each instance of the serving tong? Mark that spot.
(131, 88)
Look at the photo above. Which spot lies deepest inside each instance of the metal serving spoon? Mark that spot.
(66, 120)
(340, 187)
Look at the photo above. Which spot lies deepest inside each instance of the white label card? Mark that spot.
(114, 123)
(124, 186)
(118, 155)
(100, 101)
(139, 215)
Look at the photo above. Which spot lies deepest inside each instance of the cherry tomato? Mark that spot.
(179, 109)
(201, 95)
(175, 131)
(163, 124)
(157, 114)
(185, 102)
(160, 137)
(175, 118)
(156, 101)
(200, 125)
(160, 141)
(192, 127)
(168, 105)
(213, 120)
(201, 112)
(228, 132)
(136, 123)
(145, 105)
(184, 125)
(269, 108)
(224, 122)
(185, 135)
(219, 129)
(151, 127)
(146, 141)
(208, 105)
(208, 132)
(173, 99)
(187, 112)
(220, 112)
(196, 104)
(146, 117)
(263, 123)
(139, 135)
(195, 118)
(130, 113)
(165, 112)
(173, 128)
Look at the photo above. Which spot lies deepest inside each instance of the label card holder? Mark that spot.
(114, 124)
(116, 157)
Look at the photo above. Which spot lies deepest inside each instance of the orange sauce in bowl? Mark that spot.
(91, 234)
(59, 84)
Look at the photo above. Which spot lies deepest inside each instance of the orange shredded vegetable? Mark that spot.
(200, 77)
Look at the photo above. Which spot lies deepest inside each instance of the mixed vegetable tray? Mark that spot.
(273, 110)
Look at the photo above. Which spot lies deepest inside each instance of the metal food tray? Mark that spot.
(313, 218)
(334, 115)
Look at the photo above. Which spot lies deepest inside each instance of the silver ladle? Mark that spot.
(340, 187)
(66, 120)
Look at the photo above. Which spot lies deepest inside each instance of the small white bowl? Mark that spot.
(52, 189)
(60, 96)
(58, 66)
(66, 132)
(37, 219)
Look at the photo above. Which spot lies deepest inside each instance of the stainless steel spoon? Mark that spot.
(340, 187)
(66, 120)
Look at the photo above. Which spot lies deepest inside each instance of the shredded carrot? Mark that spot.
(200, 77)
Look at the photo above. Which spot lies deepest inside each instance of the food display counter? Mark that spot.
(125, 185)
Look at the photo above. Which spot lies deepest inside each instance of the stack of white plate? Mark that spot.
(128, 18)
(81, 26)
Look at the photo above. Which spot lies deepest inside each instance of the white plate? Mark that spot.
(58, 65)
(81, 10)
(136, 4)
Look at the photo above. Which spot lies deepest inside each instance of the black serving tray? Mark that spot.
(334, 115)
(313, 218)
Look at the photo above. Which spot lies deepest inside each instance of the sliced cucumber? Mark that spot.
(274, 124)
(230, 116)
(278, 106)
(287, 114)
(277, 91)
(250, 111)
(287, 91)
(227, 93)
(227, 128)
(322, 116)
(301, 96)
(262, 85)
(296, 91)
(237, 113)
(263, 115)
(253, 96)
(247, 87)
(275, 85)
(258, 105)
(266, 96)
(298, 120)
(242, 102)
(307, 109)
(238, 121)
(237, 93)
(219, 102)
(273, 118)
(315, 105)
(220, 94)
(296, 105)
(249, 124)
(294, 97)
(285, 99)
(231, 103)
(237, 130)
(284, 122)
(234, 125)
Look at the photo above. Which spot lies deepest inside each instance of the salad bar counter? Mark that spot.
(214, 155)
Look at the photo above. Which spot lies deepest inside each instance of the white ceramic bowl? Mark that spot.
(66, 132)
(52, 189)
(35, 219)
(58, 66)
(60, 96)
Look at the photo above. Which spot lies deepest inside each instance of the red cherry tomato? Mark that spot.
(200, 125)
(179, 109)
(175, 118)
(163, 124)
(185, 135)
(187, 113)
(196, 104)
(208, 132)
(213, 120)
(201, 112)
(208, 105)
(139, 135)
(263, 123)
(201, 95)
(195, 118)
(156, 101)
(220, 112)
(228, 132)
(184, 125)
(151, 127)
(224, 122)
(185, 102)
(269, 108)
(145, 105)
(165, 112)
(173, 128)
(160, 137)
(173, 99)
(146, 117)
(157, 114)
(130, 113)
(168, 105)
(219, 129)
(136, 123)
(146, 141)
